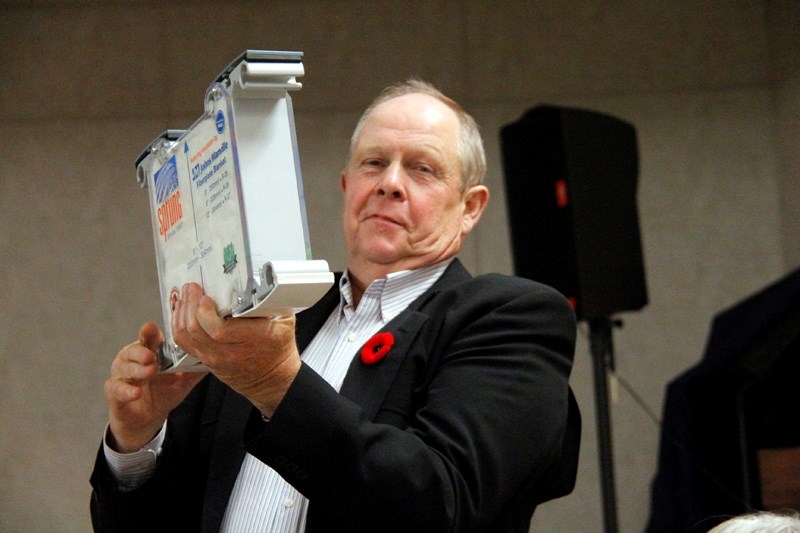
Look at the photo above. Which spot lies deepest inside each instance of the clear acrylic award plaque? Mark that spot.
(226, 201)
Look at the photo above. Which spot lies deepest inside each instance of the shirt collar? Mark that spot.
(397, 290)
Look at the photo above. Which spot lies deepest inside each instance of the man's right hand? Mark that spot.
(139, 396)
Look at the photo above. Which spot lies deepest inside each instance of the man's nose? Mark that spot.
(392, 183)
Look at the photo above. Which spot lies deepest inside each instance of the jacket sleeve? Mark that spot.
(171, 499)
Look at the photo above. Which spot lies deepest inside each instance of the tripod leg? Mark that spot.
(602, 359)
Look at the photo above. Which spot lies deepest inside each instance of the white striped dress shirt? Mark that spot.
(261, 500)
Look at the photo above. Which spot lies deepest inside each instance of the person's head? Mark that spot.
(412, 182)
(760, 522)
(470, 144)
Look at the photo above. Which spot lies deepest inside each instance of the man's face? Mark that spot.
(403, 203)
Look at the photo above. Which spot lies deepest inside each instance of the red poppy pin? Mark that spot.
(376, 347)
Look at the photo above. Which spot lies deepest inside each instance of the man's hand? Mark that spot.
(139, 397)
(257, 357)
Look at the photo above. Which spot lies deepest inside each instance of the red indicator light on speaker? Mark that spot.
(573, 301)
(562, 198)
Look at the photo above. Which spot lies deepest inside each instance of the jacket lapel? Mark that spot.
(368, 385)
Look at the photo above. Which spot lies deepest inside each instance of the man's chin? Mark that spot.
(381, 255)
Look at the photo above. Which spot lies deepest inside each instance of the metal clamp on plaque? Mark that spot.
(227, 204)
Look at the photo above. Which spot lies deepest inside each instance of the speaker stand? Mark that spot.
(603, 360)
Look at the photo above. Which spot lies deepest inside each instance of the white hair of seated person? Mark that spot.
(761, 522)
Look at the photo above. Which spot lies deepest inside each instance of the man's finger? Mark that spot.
(208, 318)
(150, 336)
(121, 391)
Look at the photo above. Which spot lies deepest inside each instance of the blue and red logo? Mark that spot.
(168, 197)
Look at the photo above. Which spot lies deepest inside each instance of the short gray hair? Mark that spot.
(471, 155)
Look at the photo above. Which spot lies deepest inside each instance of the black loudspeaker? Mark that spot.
(571, 183)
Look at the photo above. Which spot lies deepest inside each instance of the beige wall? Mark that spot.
(710, 86)
(784, 25)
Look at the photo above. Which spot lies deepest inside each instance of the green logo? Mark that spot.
(229, 259)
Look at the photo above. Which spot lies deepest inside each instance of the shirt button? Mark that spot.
(351, 337)
(288, 503)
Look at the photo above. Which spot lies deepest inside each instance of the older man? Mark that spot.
(412, 397)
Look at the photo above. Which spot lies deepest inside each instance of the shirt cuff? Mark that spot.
(131, 470)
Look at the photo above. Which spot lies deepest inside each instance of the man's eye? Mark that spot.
(372, 163)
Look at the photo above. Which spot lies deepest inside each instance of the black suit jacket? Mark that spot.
(466, 425)
(715, 413)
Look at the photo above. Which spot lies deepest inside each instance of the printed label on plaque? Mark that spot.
(200, 228)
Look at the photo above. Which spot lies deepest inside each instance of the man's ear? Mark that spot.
(475, 200)
(342, 181)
